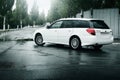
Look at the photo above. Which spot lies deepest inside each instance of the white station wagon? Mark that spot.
(75, 32)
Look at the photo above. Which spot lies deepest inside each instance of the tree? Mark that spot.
(5, 7)
(21, 12)
(11, 19)
(41, 18)
(54, 12)
(69, 8)
(117, 4)
(34, 13)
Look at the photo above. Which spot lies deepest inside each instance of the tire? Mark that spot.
(39, 40)
(75, 43)
(97, 47)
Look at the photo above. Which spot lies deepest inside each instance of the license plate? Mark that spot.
(104, 32)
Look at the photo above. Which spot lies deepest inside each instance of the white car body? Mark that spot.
(63, 35)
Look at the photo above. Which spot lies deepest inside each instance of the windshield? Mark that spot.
(99, 24)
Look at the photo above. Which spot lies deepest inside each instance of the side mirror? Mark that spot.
(48, 25)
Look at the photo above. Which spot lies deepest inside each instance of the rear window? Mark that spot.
(81, 24)
(99, 24)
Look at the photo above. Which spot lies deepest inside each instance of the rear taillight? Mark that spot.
(91, 31)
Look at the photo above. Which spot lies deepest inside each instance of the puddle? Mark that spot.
(6, 65)
(21, 35)
(4, 37)
(24, 39)
(7, 38)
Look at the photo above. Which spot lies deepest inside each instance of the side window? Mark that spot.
(81, 24)
(57, 24)
(67, 24)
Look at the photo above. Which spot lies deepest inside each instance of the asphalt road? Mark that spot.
(23, 60)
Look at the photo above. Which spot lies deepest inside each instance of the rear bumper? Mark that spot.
(98, 41)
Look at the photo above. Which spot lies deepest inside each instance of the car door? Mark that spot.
(65, 31)
(51, 32)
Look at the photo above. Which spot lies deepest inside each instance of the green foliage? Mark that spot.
(35, 17)
(34, 13)
(21, 11)
(41, 19)
(14, 17)
(59, 9)
(1, 22)
(5, 6)
(118, 3)
(69, 8)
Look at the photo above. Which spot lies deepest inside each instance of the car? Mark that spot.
(75, 32)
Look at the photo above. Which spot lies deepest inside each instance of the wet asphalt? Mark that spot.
(24, 60)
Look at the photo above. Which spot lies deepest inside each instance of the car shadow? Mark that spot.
(88, 51)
